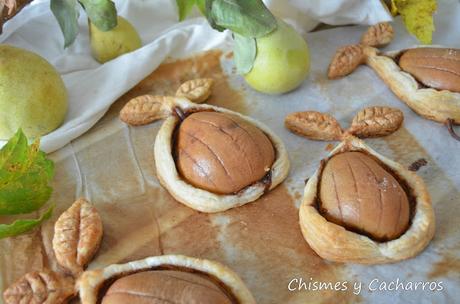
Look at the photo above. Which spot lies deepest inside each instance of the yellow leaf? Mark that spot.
(417, 16)
(393, 9)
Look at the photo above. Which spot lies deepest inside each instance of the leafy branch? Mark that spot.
(247, 19)
(102, 13)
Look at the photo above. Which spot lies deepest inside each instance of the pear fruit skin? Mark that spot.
(282, 62)
(32, 94)
(120, 40)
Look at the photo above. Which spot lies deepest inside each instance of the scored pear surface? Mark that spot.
(437, 68)
(358, 193)
(222, 153)
(165, 286)
(77, 235)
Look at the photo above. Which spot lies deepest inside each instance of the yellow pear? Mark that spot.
(108, 45)
(282, 62)
(32, 94)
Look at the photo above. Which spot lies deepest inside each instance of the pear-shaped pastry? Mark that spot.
(209, 158)
(164, 279)
(427, 79)
(360, 206)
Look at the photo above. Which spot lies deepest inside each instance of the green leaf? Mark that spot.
(201, 6)
(244, 51)
(208, 14)
(249, 18)
(185, 7)
(21, 226)
(66, 13)
(24, 176)
(102, 13)
(417, 16)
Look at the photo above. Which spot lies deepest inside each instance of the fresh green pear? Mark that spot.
(108, 45)
(282, 62)
(32, 94)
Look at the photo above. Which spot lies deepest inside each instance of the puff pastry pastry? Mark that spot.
(427, 80)
(175, 111)
(336, 243)
(437, 105)
(204, 200)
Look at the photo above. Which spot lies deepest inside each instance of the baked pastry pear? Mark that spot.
(209, 158)
(359, 206)
(426, 78)
(170, 278)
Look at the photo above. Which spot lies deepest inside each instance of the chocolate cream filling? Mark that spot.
(221, 153)
(359, 192)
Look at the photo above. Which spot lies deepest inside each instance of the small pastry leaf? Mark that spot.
(378, 35)
(196, 90)
(314, 125)
(40, 287)
(145, 109)
(376, 121)
(77, 235)
(345, 61)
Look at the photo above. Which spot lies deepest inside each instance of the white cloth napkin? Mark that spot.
(305, 15)
(94, 87)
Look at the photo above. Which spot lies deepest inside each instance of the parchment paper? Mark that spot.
(113, 166)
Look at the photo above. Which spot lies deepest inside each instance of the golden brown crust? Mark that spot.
(314, 125)
(333, 242)
(200, 199)
(376, 121)
(45, 286)
(145, 109)
(196, 90)
(77, 235)
(427, 102)
(346, 60)
(378, 35)
(90, 282)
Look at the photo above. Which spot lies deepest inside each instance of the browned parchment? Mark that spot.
(113, 166)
